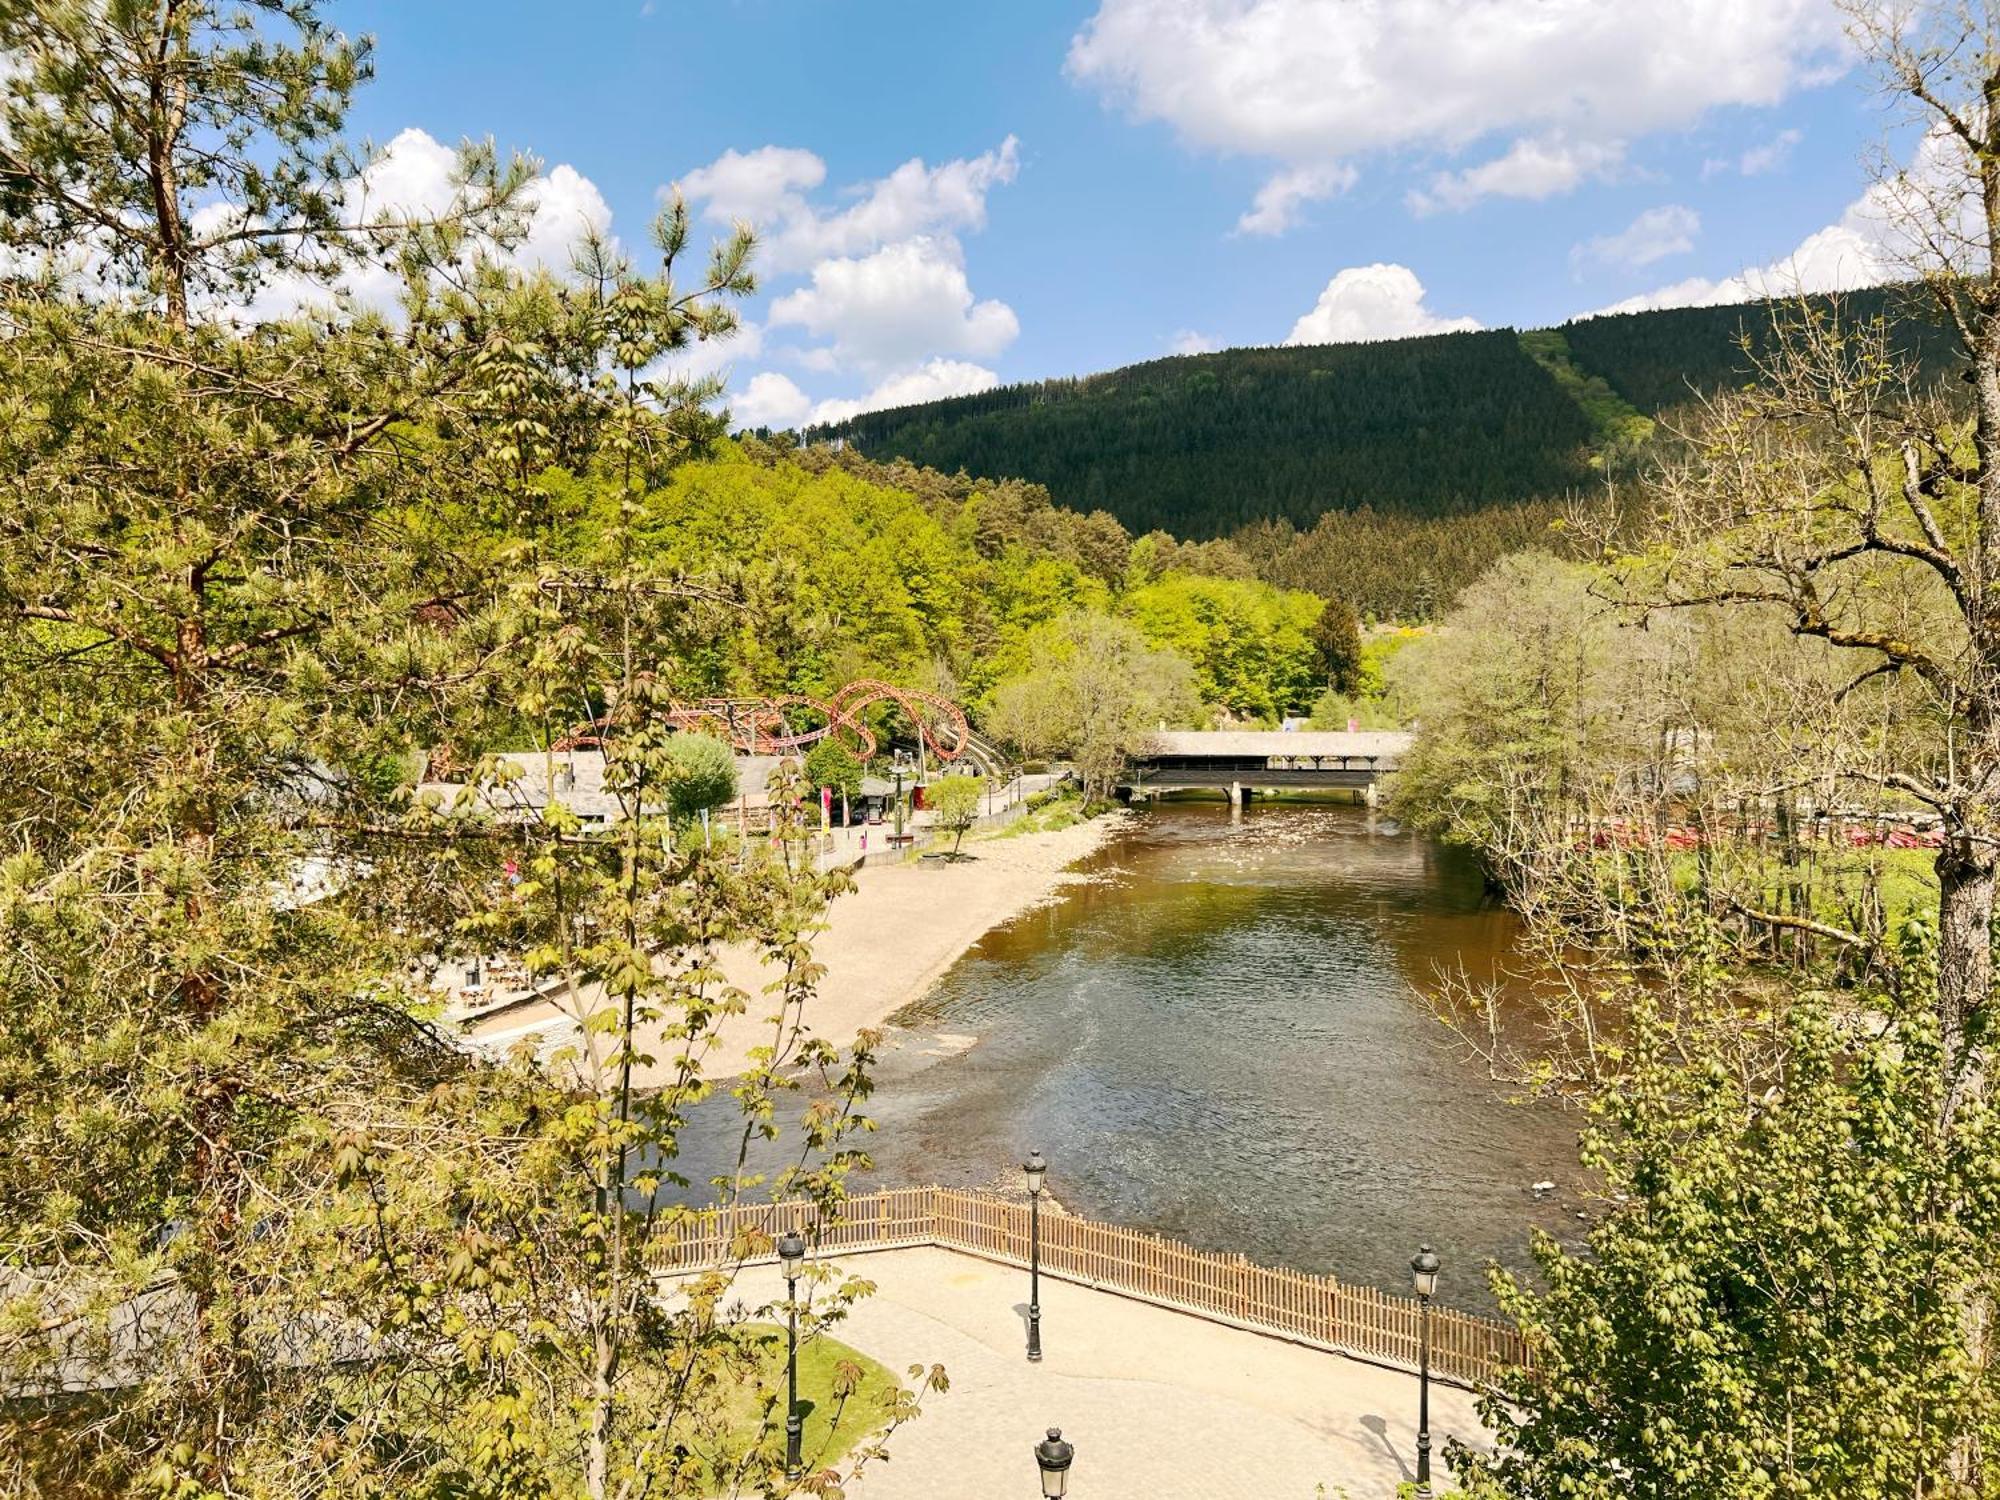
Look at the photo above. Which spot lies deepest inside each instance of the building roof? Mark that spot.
(1380, 744)
(578, 782)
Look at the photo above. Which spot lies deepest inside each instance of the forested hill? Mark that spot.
(1657, 360)
(1205, 445)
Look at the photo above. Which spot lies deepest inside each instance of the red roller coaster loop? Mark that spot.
(763, 726)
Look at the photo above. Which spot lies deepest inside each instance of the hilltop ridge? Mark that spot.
(1425, 428)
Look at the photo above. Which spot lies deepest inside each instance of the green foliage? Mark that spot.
(1333, 710)
(1048, 813)
(92, 154)
(1202, 445)
(253, 579)
(1515, 694)
(1618, 430)
(1775, 1303)
(1661, 360)
(831, 764)
(955, 803)
(1251, 645)
(851, 569)
(1390, 475)
(843, 576)
(701, 774)
(1391, 565)
(1094, 690)
(1336, 639)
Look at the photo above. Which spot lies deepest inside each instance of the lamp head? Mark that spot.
(1053, 1456)
(1034, 1169)
(1424, 1270)
(791, 1250)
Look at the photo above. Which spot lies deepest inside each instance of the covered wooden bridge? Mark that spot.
(1239, 762)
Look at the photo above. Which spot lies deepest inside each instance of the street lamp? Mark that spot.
(1424, 1274)
(1053, 1457)
(1034, 1168)
(899, 798)
(791, 1251)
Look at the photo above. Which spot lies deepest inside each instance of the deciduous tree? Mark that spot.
(954, 803)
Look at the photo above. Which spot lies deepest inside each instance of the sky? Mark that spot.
(961, 193)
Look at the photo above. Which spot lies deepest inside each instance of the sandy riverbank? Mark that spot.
(886, 943)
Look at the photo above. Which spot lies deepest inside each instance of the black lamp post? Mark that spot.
(1053, 1457)
(1424, 1274)
(1035, 1169)
(899, 796)
(791, 1251)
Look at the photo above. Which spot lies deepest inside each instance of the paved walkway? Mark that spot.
(873, 840)
(1160, 1405)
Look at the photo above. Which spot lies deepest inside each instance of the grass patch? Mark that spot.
(1619, 427)
(732, 1431)
(1833, 875)
(1064, 811)
(843, 1394)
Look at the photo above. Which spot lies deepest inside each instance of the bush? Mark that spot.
(832, 764)
(704, 774)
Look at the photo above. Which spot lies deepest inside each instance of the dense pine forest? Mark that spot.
(1389, 474)
(1203, 444)
(1659, 360)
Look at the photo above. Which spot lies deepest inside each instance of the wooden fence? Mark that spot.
(1316, 1310)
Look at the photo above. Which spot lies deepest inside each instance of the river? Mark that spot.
(1218, 1035)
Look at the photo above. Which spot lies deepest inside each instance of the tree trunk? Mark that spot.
(1966, 871)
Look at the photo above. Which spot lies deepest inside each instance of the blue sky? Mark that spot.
(1105, 181)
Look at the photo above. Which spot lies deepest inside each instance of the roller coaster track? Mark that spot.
(765, 726)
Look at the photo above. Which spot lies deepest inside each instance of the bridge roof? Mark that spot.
(1385, 744)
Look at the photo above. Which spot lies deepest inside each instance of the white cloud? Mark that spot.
(567, 209)
(901, 304)
(770, 400)
(1534, 168)
(1315, 83)
(1654, 235)
(415, 177)
(1364, 303)
(1770, 156)
(932, 381)
(886, 296)
(1187, 341)
(768, 187)
(770, 182)
(1840, 258)
(1898, 228)
(1276, 207)
(774, 400)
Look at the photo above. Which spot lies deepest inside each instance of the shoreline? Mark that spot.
(891, 939)
(886, 943)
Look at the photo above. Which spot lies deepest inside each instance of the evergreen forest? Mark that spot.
(1389, 474)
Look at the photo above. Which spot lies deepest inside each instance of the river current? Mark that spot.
(1219, 1036)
